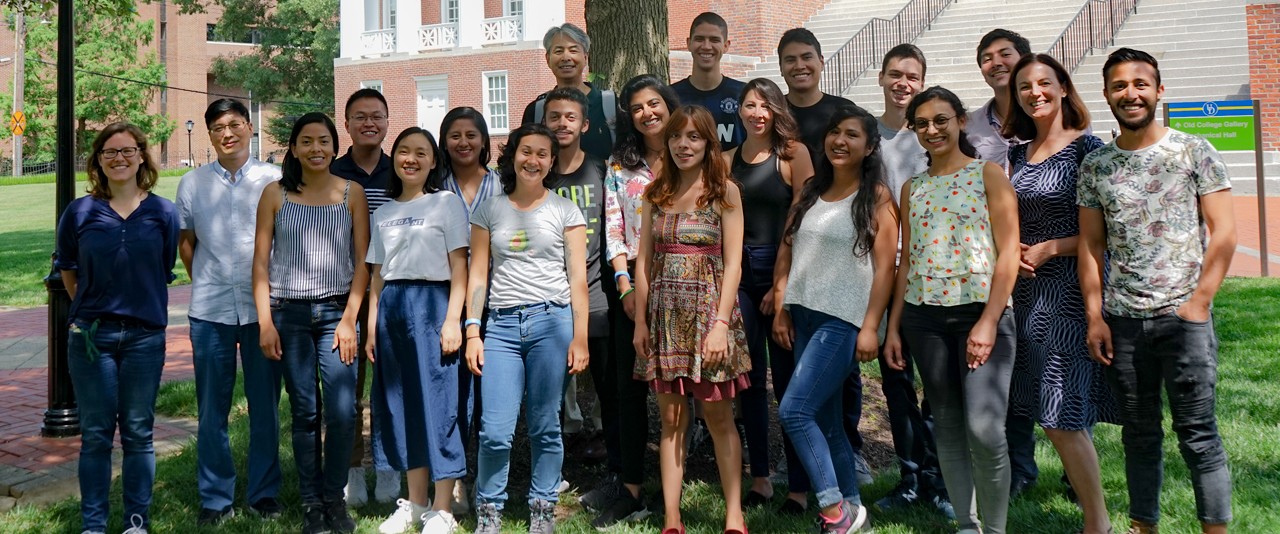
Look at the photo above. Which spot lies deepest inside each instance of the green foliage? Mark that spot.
(110, 41)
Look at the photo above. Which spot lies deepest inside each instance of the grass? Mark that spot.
(27, 237)
(1248, 321)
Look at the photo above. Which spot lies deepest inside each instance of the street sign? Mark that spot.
(17, 123)
(1226, 124)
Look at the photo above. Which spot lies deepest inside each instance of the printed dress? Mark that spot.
(1055, 381)
(684, 295)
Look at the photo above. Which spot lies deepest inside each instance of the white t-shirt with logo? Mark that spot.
(412, 240)
(528, 250)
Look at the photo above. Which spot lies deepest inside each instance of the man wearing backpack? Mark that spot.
(568, 48)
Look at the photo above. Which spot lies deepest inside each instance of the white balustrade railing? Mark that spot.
(438, 36)
(502, 30)
(379, 41)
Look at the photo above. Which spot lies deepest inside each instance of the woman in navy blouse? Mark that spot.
(116, 250)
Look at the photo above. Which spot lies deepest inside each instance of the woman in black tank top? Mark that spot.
(771, 167)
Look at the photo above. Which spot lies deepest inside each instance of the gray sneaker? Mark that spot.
(863, 470)
(542, 517)
(488, 519)
(600, 497)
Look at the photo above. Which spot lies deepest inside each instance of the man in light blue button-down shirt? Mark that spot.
(217, 207)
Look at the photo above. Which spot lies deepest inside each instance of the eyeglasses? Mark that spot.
(377, 117)
(233, 126)
(941, 121)
(110, 153)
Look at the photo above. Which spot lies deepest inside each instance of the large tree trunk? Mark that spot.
(628, 38)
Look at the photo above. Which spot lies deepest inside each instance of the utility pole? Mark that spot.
(19, 75)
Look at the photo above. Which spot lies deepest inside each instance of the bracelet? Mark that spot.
(621, 274)
(719, 320)
(470, 322)
(477, 336)
(625, 293)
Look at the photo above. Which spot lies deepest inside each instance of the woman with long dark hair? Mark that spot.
(116, 249)
(307, 285)
(951, 298)
(537, 298)
(689, 338)
(770, 167)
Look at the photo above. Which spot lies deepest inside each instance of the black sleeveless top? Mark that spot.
(766, 199)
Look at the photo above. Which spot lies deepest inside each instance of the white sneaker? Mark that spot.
(404, 519)
(357, 490)
(137, 525)
(563, 487)
(387, 487)
(461, 498)
(438, 522)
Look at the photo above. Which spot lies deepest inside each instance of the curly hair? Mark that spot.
(507, 159)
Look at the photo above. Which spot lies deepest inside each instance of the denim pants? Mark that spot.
(911, 425)
(811, 410)
(214, 347)
(318, 383)
(969, 406)
(525, 359)
(117, 387)
(1183, 355)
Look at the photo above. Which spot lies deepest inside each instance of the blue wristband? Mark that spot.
(470, 322)
(621, 274)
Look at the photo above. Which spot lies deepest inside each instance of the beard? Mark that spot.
(1135, 124)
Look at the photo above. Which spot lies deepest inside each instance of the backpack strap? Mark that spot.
(610, 102)
(539, 107)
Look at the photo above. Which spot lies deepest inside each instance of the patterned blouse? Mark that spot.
(952, 255)
(623, 203)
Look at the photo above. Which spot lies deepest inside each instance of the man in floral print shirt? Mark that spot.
(1147, 199)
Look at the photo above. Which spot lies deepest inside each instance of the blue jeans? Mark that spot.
(214, 347)
(1183, 355)
(525, 358)
(117, 388)
(812, 408)
(317, 382)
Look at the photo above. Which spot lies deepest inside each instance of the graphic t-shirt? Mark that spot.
(528, 250)
(1150, 200)
(412, 240)
(722, 102)
(598, 140)
(585, 188)
(813, 122)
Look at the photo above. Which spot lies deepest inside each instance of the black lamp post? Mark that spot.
(191, 160)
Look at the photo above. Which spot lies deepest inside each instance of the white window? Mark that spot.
(449, 11)
(512, 8)
(376, 85)
(433, 102)
(495, 101)
(391, 13)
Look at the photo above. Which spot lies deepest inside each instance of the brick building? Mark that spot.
(429, 56)
(1263, 19)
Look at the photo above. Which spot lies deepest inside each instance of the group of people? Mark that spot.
(683, 240)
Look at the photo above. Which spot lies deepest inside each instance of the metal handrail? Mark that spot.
(1094, 26)
(868, 46)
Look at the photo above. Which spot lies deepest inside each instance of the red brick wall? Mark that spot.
(680, 15)
(575, 12)
(1264, 67)
(754, 27)
(492, 8)
(431, 12)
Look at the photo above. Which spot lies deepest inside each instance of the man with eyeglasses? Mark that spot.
(217, 206)
(366, 164)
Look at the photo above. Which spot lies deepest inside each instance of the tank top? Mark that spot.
(312, 254)
(766, 199)
(952, 255)
(825, 275)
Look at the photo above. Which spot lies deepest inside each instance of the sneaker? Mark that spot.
(335, 514)
(1138, 527)
(92, 532)
(603, 495)
(542, 517)
(209, 517)
(1020, 485)
(624, 508)
(313, 521)
(943, 505)
(357, 490)
(387, 487)
(438, 522)
(137, 525)
(853, 517)
(863, 470)
(266, 508)
(405, 518)
(790, 507)
(488, 519)
(902, 496)
(563, 487)
(461, 498)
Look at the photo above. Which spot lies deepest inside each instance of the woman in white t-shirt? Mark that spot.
(536, 333)
(418, 250)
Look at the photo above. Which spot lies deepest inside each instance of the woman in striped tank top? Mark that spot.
(960, 257)
(307, 285)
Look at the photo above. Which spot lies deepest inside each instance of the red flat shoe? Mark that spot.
(736, 531)
(674, 530)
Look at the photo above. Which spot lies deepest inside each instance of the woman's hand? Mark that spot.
(579, 356)
(783, 331)
(715, 347)
(767, 303)
(344, 339)
(893, 351)
(629, 305)
(450, 337)
(640, 340)
(475, 355)
(1033, 256)
(981, 339)
(269, 340)
(868, 345)
(369, 344)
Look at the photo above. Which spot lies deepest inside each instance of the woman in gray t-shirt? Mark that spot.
(537, 289)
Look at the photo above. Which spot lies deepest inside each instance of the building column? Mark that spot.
(408, 20)
(352, 13)
(470, 19)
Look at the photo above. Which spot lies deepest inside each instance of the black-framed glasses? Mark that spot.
(940, 122)
(233, 126)
(111, 153)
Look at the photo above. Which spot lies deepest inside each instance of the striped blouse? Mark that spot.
(312, 250)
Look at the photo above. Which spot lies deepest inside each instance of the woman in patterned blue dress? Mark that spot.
(1054, 380)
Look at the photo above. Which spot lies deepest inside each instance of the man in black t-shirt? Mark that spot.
(706, 86)
(801, 63)
(568, 49)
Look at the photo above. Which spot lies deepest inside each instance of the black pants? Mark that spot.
(911, 425)
(624, 407)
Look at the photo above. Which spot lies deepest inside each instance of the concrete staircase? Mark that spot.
(834, 25)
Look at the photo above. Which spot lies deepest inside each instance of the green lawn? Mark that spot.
(27, 240)
(1248, 319)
